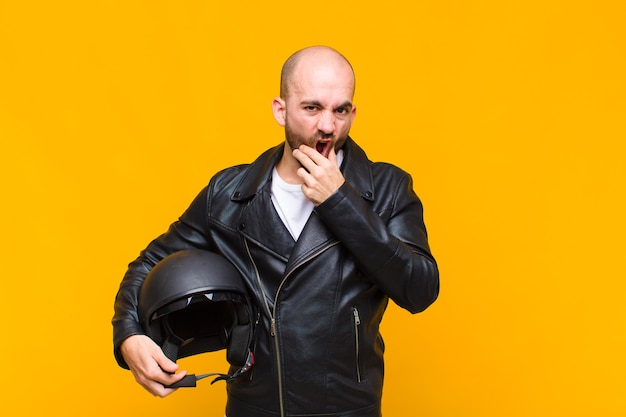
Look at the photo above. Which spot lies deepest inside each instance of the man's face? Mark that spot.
(318, 110)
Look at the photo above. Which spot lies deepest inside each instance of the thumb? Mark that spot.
(332, 155)
(165, 363)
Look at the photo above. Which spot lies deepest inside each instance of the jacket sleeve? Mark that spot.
(390, 246)
(190, 231)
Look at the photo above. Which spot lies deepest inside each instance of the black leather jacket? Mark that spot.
(317, 346)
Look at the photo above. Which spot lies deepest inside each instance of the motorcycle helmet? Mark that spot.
(194, 301)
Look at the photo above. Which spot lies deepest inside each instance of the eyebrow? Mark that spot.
(345, 104)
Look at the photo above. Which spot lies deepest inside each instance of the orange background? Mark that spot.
(509, 115)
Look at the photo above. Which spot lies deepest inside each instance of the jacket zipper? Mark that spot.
(272, 312)
(357, 323)
(256, 325)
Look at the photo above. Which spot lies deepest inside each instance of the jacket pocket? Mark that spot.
(357, 324)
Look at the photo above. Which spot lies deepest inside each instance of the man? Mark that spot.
(323, 238)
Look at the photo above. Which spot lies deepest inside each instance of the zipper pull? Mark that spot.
(357, 319)
(273, 327)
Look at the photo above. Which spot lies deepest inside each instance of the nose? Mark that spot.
(326, 122)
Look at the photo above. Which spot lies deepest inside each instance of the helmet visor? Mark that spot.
(183, 303)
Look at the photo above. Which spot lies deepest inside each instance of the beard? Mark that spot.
(294, 140)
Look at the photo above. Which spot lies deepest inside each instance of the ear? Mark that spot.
(279, 108)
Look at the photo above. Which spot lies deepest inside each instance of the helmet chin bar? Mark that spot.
(189, 381)
(170, 349)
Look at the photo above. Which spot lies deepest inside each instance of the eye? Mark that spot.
(343, 110)
(310, 108)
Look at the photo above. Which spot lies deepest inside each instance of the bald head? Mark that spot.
(308, 57)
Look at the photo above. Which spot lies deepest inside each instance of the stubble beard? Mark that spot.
(294, 140)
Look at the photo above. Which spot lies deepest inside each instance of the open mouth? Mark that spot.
(323, 147)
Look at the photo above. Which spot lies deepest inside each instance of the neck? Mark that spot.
(288, 167)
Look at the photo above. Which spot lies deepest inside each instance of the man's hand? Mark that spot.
(151, 368)
(321, 176)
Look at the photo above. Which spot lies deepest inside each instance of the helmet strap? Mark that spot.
(172, 343)
(190, 380)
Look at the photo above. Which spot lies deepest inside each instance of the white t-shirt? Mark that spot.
(291, 204)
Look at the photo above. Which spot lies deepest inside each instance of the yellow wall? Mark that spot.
(510, 116)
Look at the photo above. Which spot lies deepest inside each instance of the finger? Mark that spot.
(165, 363)
(167, 368)
(305, 160)
(158, 389)
(156, 381)
(313, 154)
(304, 175)
(169, 379)
(312, 160)
(332, 156)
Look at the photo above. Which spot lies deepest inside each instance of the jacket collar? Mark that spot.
(355, 169)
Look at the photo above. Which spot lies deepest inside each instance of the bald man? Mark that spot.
(322, 237)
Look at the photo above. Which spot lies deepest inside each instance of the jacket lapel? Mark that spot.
(261, 224)
(314, 238)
